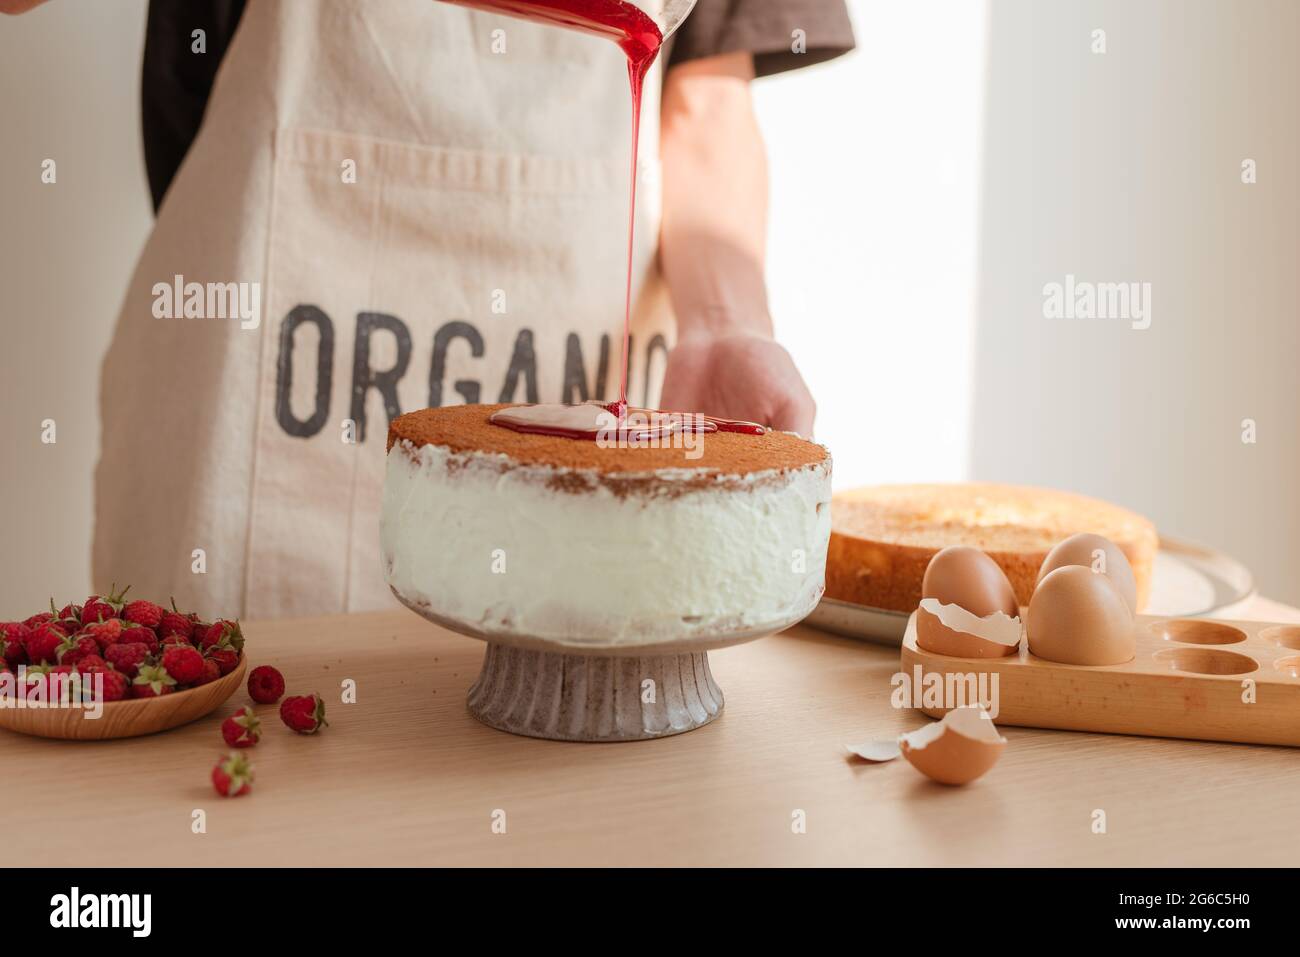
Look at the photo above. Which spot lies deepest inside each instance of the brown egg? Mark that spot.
(1099, 554)
(958, 749)
(983, 623)
(1079, 617)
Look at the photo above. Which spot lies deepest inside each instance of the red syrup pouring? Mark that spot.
(640, 39)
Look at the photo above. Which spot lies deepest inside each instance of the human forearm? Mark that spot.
(713, 238)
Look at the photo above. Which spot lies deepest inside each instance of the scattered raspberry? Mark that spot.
(265, 684)
(304, 713)
(43, 642)
(225, 656)
(127, 656)
(211, 672)
(228, 631)
(175, 641)
(69, 612)
(185, 664)
(233, 775)
(242, 729)
(152, 681)
(75, 647)
(38, 619)
(143, 613)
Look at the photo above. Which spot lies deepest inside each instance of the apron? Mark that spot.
(428, 206)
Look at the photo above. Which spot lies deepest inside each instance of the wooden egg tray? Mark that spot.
(1187, 680)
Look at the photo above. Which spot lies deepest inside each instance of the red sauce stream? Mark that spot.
(639, 38)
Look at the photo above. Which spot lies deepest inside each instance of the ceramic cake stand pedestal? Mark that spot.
(565, 692)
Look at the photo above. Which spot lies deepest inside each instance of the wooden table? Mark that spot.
(406, 777)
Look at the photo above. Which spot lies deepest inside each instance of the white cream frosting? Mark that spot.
(480, 540)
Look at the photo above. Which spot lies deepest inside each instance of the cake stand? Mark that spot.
(562, 691)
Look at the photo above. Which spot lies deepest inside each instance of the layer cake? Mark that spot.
(500, 532)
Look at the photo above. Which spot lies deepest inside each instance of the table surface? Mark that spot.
(406, 777)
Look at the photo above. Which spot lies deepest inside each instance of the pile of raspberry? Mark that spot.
(141, 649)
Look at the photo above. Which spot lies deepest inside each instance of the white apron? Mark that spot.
(426, 222)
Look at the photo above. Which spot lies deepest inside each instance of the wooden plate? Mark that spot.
(125, 719)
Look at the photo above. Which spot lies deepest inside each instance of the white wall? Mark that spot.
(875, 171)
(71, 75)
(1126, 166)
(969, 141)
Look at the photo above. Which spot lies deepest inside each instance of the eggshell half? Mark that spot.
(1099, 554)
(1079, 617)
(964, 596)
(877, 752)
(953, 631)
(958, 749)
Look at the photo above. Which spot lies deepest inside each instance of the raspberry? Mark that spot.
(116, 685)
(75, 647)
(172, 623)
(102, 609)
(228, 631)
(185, 664)
(13, 643)
(105, 633)
(242, 729)
(141, 633)
(225, 656)
(211, 672)
(152, 681)
(69, 612)
(304, 713)
(43, 642)
(90, 664)
(127, 656)
(233, 775)
(143, 613)
(265, 684)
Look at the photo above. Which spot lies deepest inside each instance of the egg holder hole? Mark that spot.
(1195, 631)
(1202, 660)
(1284, 636)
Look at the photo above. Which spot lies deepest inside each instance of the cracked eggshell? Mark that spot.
(984, 622)
(878, 751)
(1079, 617)
(958, 749)
(1098, 554)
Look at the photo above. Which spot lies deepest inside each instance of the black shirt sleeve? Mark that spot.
(781, 34)
(176, 80)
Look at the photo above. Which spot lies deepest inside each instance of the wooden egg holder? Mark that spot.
(1188, 679)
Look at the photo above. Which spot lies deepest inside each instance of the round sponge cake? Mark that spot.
(500, 532)
(884, 536)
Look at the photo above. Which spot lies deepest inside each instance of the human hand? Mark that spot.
(739, 375)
